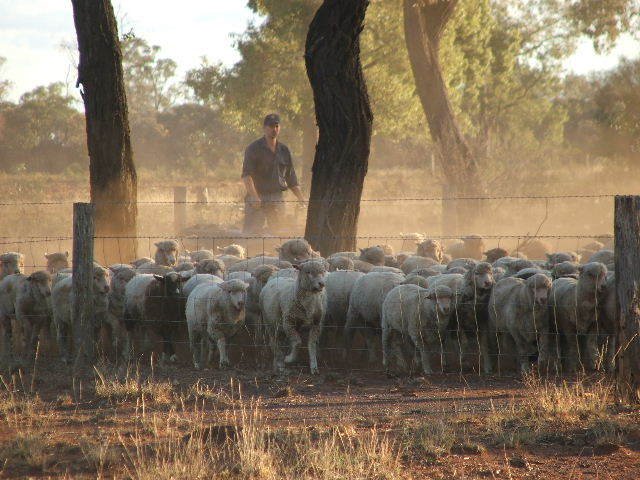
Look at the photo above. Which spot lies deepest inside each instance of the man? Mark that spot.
(267, 172)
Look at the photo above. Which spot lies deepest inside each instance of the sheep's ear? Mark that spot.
(29, 278)
(278, 249)
(549, 256)
(47, 255)
(157, 244)
(296, 266)
(160, 278)
(362, 250)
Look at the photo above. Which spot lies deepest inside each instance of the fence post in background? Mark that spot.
(627, 267)
(179, 209)
(202, 195)
(82, 285)
(449, 211)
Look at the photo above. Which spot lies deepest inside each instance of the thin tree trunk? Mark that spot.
(344, 118)
(424, 24)
(627, 263)
(112, 172)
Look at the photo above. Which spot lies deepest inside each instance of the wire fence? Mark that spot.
(464, 340)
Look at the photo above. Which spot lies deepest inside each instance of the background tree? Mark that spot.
(112, 173)
(42, 132)
(344, 118)
(5, 85)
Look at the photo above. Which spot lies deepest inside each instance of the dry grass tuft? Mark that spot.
(114, 389)
(25, 450)
(567, 413)
(256, 451)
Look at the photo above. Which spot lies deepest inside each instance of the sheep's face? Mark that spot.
(495, 254)
(57, 261)
(431, 249)
(482, 276)
(312, 276)
(12, 265)
(171, 283)
(166, 253)
(100, 281)
(40, 283)
(237, 293)
(119, 280)
(539, 286)
(595, 274)
(443, 303)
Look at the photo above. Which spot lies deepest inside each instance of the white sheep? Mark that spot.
(420, 315)
(121, 274)
(28, 299)
(234, 249)
(414, 262)
(198, 279)
(517, 316)
(338, 287)
(251, 264)
(215, 313)
(573, 311)
(287, 305)
(365, 305)
(62, 302)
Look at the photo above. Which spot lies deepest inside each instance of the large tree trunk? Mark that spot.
(309, 141)
(344, 118)
(627, 263)
(113, 178)
(424, 24)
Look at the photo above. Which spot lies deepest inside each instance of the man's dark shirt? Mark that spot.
(271, 172)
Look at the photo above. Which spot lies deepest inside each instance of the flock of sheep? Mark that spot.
(533, 305)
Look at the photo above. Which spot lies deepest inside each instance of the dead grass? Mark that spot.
(253, 450)
(132, 387)
(25, 451)
(578, 413)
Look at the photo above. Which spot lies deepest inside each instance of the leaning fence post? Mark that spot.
(179, 209)
(627, 268)
(82, 285)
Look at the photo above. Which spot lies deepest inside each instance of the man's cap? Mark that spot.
(272, 119)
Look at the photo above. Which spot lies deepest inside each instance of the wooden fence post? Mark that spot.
(179, 209)
(627, 267)
(82, 285)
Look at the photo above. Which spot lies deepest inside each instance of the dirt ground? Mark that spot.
(67, 413)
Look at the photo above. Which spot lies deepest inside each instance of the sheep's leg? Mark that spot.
(370, 338)
(386, 347)
(314, 340)
(591, 349)
(610, 353)
(294, 341)
(425, 362)
(195, 341)
(483, 345)
(7, 334)
(347, 336)
(278, 356)
(523, 354)
(572, 351)
(222, 350)
(63, 341)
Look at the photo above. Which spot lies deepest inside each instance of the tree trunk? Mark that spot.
(627, 267)
(344, 118)
(309, 141)
(112, 172)
(424, 24)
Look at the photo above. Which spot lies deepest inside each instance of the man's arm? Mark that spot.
(250, 187)
(298, 193)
